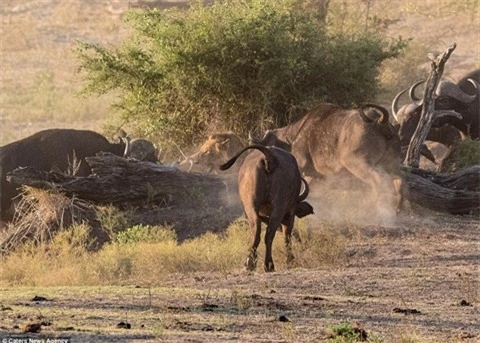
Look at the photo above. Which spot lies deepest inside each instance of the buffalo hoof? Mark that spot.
(251, 263)
(269, 267)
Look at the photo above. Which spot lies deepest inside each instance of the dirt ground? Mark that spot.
(416, 281)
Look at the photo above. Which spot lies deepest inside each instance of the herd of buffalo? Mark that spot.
(365, 142)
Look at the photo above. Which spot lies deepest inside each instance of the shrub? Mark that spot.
(348, 333)
(233, 65)
(464, 153)
(146, 234)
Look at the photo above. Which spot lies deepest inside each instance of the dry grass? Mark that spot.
(198, 290)
(147, 254)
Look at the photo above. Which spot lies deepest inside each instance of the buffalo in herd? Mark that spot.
(62, 150)
(461, 99)
(364, 142)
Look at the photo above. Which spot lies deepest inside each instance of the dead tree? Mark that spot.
(428, 114)
(433, 196)
(116, 180)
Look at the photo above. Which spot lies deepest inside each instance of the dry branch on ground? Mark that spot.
(116, 180)
(456, 193)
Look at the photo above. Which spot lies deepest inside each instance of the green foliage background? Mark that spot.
(233, 65)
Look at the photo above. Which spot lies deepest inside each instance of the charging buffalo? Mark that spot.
(329, 139)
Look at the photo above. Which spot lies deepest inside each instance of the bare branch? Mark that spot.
(427, 117)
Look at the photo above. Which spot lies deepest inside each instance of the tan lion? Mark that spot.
(217, 149)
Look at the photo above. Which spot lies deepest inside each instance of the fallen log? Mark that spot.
(430, 191)
(191, 203)
(467, 179)
(116, 180)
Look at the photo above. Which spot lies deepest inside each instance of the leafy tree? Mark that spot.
(236, 65)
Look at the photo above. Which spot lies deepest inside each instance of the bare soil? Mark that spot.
(419, 279)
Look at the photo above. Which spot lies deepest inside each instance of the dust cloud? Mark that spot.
(342, 199)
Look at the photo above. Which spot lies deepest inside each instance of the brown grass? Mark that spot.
(148, 257)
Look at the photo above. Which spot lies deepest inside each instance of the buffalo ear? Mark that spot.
(225, 141)
(251, 139)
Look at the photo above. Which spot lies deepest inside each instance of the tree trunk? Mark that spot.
(412, 158)
(116, 180)
(467, 179)
(432, 195)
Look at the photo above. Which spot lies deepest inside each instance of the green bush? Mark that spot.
(146, 234)
(233, 65)
(463, 154)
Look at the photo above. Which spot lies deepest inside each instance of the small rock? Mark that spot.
(123, 325)
(33, 327)
(464, 303)
(39, 298)
(283, 319)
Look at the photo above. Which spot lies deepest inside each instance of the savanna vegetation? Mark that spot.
(175, 75)
(234, 65)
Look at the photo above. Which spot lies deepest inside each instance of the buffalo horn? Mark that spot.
(128, 146)
(447, 88)
(450, 113)
(413, 96)
(395, 104)
(305, 192)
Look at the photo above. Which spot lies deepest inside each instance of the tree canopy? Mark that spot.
(237, 65)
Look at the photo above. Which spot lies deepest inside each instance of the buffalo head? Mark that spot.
(457, 112)
(143, 150)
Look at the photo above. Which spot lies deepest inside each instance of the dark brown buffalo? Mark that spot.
(329, 139)
(54, 149)
(269, 185)
(143, 150)
(463, 98)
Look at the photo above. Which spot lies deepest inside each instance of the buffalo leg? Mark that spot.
(380, 183)
(273, 225)
(256, 229)
(400, 189)
(287, 236)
